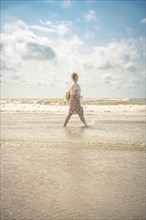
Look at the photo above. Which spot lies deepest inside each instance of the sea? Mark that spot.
(61, 105)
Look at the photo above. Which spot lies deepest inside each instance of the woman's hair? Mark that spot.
(73, 76)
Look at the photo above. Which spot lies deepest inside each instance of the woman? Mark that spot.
(74, 101)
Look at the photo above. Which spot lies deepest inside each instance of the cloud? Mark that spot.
(129, 67)
(5, 66)
(53, 13)
(120, 57)
(37, 51)
(90, 15)
(134, 82)
(90, 34)
(62, 28)
(22, 44)
(66, 3)
(46, 61)
(21, 50)
(107, 65)
(116, 54)
(40, 28)
(129, 30)
(143, 21)
(14, 26)
(41, 83)
(107, 78)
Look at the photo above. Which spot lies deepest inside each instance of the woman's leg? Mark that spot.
(67, 119)
(81, 116)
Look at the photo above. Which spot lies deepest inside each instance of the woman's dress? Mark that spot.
(74, 101)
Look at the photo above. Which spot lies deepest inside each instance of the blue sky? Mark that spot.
(43, 42)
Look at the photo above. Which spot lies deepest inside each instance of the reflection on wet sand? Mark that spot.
(76, 133)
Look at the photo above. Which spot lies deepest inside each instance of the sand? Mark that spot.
(49, 172)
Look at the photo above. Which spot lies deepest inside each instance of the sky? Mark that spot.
(44, 41)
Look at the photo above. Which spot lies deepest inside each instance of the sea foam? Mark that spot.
(59, 105)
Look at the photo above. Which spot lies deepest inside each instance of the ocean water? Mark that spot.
(60, 105)
(111, 122)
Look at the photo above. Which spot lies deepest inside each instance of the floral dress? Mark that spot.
(74, 102)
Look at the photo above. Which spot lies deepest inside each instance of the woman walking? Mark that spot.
(74, 101)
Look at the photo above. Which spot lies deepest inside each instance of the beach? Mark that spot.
(49, 172)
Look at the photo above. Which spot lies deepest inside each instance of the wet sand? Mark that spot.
(49, 172)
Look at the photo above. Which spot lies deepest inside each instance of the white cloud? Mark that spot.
(38, 51)
(90, 15)
(41, 83)
(76, 41)
(40, 28)
(129, 30)
(143, 21)
(66, 3)
(53, 13)
(90, 34)
(116, 53)
(32, 61)
(62, 28)
(133, 82)
(48, 23)
(21, 52)
(14, 26)
(107, 78)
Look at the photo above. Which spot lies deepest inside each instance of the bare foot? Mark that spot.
(85, 126)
